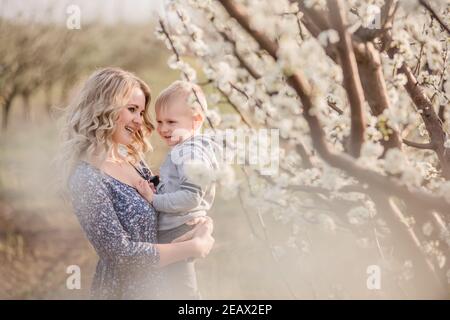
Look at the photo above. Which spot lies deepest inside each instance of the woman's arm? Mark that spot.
(97, 216)
(92, 204)
(199, 239)
(194, 248)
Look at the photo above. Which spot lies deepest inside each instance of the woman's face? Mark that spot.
(130, 118)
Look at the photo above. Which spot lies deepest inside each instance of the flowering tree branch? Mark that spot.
(333, 106)
(369, 67)
(426, 146)
(301, 85)
(235, 107)
(247, 66)
(431, 120)
(352, 82)
(378, 93)
(374, 84)
(238, 12)
(433, 13)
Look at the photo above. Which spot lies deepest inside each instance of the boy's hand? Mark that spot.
(145, 190)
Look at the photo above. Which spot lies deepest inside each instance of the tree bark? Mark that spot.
(352, 82)
(26, 105)
(375, 91)
(7, 107)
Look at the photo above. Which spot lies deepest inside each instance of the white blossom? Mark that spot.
(328, 37)
(447, 143)
(427, 229)
(214, 116)
(444, 190)
(327, 223)
(395, 161)
(358, 215)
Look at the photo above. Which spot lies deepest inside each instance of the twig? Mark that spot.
(203, 110)
(426, 146)
(172, 46)
(441, 113)
(433, 13)
(445, 56)
(417, 68)
(240, 58)
(280, 271)
(299, 23)
(235, 107)
(239, 90)
(164, 30)
(333, 106)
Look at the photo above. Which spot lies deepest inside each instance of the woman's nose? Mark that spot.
(138, 120)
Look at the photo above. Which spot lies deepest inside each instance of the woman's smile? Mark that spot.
(130, 118)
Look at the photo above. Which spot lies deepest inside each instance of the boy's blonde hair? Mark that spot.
(191, 93)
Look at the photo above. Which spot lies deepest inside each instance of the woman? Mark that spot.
(104, 139)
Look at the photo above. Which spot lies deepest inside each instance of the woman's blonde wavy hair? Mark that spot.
(89, 121)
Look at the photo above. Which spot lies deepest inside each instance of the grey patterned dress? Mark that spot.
(122, 227)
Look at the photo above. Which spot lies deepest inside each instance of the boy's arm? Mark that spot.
(187, 198)
(192, 190)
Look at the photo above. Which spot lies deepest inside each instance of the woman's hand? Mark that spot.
(202, 225)
(202, 220)
(203, 245)
(202, 239)
(200, 236)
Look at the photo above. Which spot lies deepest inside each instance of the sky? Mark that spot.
(107, 11)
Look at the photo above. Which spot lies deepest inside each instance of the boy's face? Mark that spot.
(176, 122)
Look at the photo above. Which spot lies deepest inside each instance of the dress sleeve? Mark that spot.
(92, 204)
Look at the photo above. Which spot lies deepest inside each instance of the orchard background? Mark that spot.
(359, 91)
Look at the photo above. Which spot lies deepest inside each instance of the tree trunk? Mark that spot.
(48, 90)
(26, 105)
(7, 108)
(372, 79)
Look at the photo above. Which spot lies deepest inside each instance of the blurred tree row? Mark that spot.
(49, 58)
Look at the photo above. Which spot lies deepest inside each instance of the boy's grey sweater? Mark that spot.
(179, 198)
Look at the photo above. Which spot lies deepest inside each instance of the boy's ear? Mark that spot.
(198, 120)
